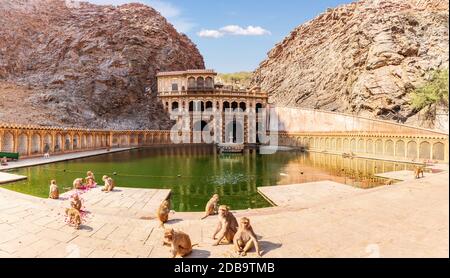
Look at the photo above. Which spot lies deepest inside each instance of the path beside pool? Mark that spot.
(6, 178)
(28, 162)
(407, 219)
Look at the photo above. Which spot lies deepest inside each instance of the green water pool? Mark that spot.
(194, 173)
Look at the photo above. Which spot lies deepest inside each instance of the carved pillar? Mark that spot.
(29, 143)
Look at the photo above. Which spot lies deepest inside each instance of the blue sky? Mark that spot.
(235, 35)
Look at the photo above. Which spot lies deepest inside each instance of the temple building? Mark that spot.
(196, 91)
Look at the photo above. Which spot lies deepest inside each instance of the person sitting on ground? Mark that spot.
(54, 191)
(109, 184)
(4, 161)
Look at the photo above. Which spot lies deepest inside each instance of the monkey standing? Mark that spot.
(245, 238)
(212, 206)
(418, 171)
(180, 243)
(163, 212)
(227, 226)
(74, 217)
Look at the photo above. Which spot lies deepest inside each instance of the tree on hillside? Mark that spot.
(432, 94)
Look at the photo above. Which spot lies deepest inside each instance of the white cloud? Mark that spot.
(234, 30)
(210, 34)
(166, 9)
(249, 31)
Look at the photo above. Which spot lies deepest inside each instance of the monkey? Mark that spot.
(227, 226)
(76, 202)
(180, 243)
(4, 161)
(419, 170)
(109, 184)
(90, 174)
(78, 184)
(389, 182)
(245, 238)
(163, 212)
(54, 191)
(90, 180)
(211, 206)
(74, 217)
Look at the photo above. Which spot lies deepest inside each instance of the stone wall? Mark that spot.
(308, 120)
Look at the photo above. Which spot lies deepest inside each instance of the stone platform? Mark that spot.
(307, 194)
(404, 175)
(407, 219)
(7, 178)
(124, 202)
(57, 158)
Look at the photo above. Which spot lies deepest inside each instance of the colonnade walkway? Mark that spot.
(408, 219)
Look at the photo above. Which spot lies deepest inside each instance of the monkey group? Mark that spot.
(74, 213)
(228, 230)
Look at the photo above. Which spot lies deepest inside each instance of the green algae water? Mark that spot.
(194, 173)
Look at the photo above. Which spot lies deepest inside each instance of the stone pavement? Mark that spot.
(307, 194)
(404, 175)
(7, 178)
(408, 219)
(57, 158)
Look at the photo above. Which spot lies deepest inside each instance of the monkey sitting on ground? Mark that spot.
(109, 184)
(418, 171)
(245, 238)
(163, 212)
(78, 184)
(76, 202)
(54, 191)
(212, 206)
(74, 217)
(180, 243)
(227, 226)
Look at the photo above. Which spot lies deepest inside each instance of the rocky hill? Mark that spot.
(87, 65)
(363, 58)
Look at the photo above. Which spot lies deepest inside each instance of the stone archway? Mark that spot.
(48, 143)
(439, 151)
(412, 150)
(400, 148)
(425, 150)
(22, 147)
(389, 148)
(7, 142)
(35, 143)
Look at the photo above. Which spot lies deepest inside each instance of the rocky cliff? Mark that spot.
(362, 58)
(87, 65)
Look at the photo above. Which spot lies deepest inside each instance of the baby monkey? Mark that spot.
(245, 238)
(212, 206)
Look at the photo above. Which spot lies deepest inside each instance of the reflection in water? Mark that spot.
(194, 173)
